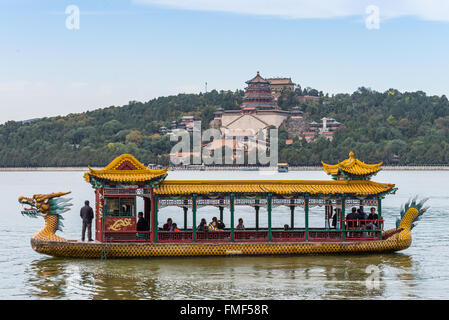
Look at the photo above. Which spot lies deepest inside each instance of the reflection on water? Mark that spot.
(419, 272)
(315, 277)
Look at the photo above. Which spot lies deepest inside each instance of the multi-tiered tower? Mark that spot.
(258, 95)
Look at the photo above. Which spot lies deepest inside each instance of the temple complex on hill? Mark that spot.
(279, 84)
(258, 112)
(326, 129)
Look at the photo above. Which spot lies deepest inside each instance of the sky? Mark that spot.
(52, 63)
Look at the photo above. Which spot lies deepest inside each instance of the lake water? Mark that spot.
(420, 272)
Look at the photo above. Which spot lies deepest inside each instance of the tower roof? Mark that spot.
(257, 79)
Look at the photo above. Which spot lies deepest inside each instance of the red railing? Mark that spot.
(288, 236)
(325, 236)
(251, 236)
(127, 236)
(213, 236)
(363, 229)
(351, 234)
(364, 225)
(170, 236)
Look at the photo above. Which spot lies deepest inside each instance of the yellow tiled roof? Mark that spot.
(357, 187)
(352, 166)
(125, 168)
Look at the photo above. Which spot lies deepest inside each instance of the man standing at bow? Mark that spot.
(87, 214)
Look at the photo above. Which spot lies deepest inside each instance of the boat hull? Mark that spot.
(97, 250)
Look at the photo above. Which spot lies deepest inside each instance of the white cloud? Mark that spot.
(435, 10)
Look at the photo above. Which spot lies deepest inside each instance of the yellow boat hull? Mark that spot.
(74, 249)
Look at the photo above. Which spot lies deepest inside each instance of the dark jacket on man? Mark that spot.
(87, 214)
(142, 225)
(351, 216)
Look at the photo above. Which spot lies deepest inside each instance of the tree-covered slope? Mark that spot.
(378, 127)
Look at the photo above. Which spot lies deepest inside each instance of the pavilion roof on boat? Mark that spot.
(280, 187)
(352, 169)
(125, 169)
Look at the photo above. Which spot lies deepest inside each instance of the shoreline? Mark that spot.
(299, 168)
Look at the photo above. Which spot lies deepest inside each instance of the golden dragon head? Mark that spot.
(45, 204)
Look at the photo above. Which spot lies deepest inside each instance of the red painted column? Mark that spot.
(99, 210)
(153, 217)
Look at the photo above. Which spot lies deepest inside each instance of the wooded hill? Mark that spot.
(393, 127)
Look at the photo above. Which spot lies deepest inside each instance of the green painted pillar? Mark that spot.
(185, 217)
(342, 218)
(257, 216)
(194, 217)
(292, 214)
(379, 213)
(221, 212)
(156, 202)
(231, 205)
(269, 217)
(306, 211)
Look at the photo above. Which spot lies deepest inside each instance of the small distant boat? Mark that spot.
(282, 167)
(250, 169)
(200, 167)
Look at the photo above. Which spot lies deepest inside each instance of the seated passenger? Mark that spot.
(285, 227)
(213, 226)
(240, 226)
(168, 225)
(361, 216)
(202, 226)
(214, 219)
(220, 225)
(351, 217)
(372, 225)
(174, 227)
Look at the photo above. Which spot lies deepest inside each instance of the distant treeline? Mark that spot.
(393, 127)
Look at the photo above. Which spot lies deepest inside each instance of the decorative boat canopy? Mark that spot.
(351, 169)
(125, 169)
(280, 187)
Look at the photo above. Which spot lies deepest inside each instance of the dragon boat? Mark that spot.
(125, 181)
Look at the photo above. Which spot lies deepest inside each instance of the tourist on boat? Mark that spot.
(214, 219)
(372, 225)
(220, 225)
(142, 225)
(202, 226)
(335, 219)
(328, 214)
(240, 226)
(213, 226)
(168, 225)
(174, 227)
(351, 217)
(87, 214)
(285, 227)
(361, 217)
